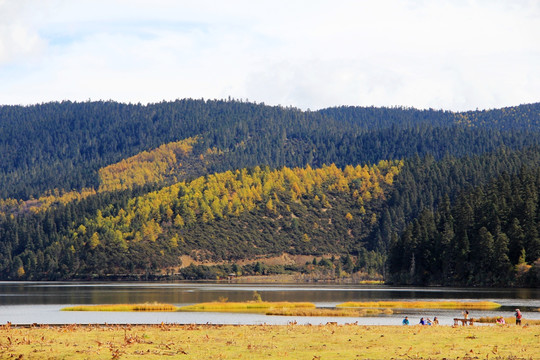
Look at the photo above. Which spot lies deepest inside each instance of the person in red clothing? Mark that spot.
(518, 317)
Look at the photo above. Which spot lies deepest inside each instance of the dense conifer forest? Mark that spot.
(102, 189)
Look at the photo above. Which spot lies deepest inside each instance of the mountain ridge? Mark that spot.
(94, 159)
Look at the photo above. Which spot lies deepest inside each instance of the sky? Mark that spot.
(454, 55)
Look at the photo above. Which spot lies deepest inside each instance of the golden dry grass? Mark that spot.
(314, 312)
(268, 308)
(477, 305)
(371, 282)
(250, 306)
(300, 342)
(508, 320)
(123, 307)
(327, 312)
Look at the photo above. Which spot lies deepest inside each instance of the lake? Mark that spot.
(40, 302)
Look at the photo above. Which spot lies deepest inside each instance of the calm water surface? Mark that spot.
(40, 302)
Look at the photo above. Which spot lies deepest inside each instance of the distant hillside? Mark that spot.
(63, 145)
(101, 188)
(225, 216)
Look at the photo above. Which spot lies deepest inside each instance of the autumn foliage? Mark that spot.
(153, 166)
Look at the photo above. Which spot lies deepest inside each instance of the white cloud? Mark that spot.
(443, 54)
(18, 38)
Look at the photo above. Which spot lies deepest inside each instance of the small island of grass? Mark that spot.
(328, 312)
(247, 306)
(217, 306)
(123, 307)
(475, 305)
(285, 308)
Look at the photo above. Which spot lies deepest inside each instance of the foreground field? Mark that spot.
(270, 342)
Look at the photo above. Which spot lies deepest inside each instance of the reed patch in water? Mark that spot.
(371, 282)
(257, 306)
(476, 305)
(327, 312)
(123, 307)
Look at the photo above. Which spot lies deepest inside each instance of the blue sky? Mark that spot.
(454, 55)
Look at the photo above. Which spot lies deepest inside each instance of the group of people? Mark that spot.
(517, 314)
(427, 321)
(423, 321)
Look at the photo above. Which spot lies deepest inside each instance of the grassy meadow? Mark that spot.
(270, 342)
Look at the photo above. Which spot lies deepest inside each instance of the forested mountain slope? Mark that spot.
(489, 236)
(224, 216)
(63, 145)
(98, 188)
